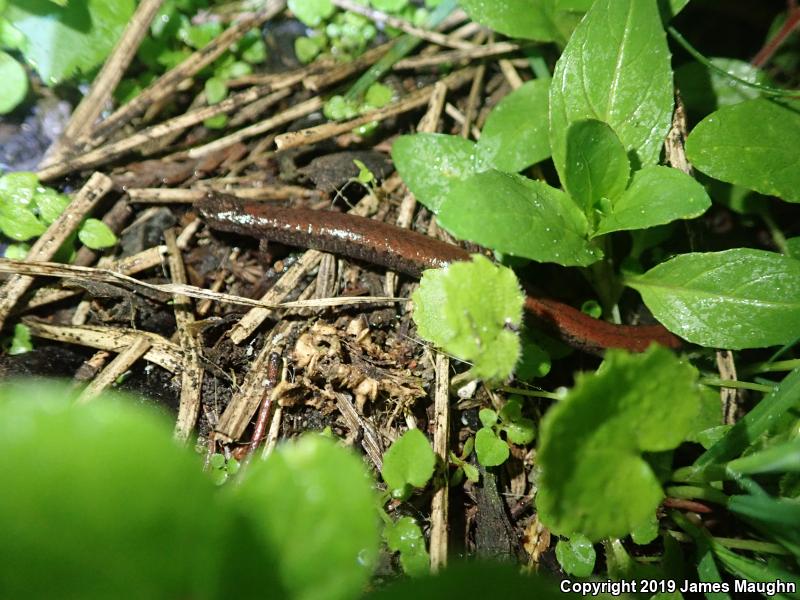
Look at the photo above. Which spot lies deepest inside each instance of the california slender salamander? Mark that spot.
(410, 253)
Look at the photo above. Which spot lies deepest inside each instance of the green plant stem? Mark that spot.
(738, 385)
(693, 492)
(772, 367)
(404, 45)
(530, 393)
(606, 283)
(777, 235)
(766, 90)
(700, 475)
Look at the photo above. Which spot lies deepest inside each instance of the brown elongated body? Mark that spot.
(411, 253)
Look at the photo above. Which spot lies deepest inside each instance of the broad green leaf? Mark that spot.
(216, 90)
(544, 20)
(96, 234)
(99, 518)
(19, 223)
(520, 217)
(404, 536)
(670, 8)
(576, 555)
(469, 309)
(515, 135)
(596, 164)
(15, 83)
(704, 90)
(470, 580)
(408, 463)
(616, 69)
(312, 506)
(18, 188)
(656, 196)
(645, 532)
(431, 163)
(594, 478)
(751, 144)
(794, 247)
(490, 449)
(50, 204)
(487, 417)
(735, 299)
(311, 12)
(65, 41)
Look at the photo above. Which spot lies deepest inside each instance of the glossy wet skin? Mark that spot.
(411, 253)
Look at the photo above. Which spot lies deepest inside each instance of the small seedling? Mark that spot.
(492, 450)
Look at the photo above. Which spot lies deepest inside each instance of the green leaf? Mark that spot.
(467, 309)
(544, 20)
(18, 188)
(781, 458)
(50, 204)
(62, 42)
(19, 223)
(518, 216)
(490, 449)
(96, 234)
(616, 69)
(594, 478)
(794, 247)
(516, 135)
(521, 431)
(596, 164)
(307, 48)
(17, 251)
(761, 419)
(391, 6)
(750, 144)
(487, 417)
(97, 518)
(645, 532)
(408, 463)
(312, 507)
(470, 580)
(775, 517)
(15, 83)
(255, 53)
(432, 163)
(534, 362)
(404, 536)
(216, 90)
(378, 95)
(656, 196)
(704, 90)
(472, 472)
(311, 12)
(735, 299)
(576, 555)
(21, 341)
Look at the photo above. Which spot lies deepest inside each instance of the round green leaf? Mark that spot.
(491, 450)
(50, 204)
(735, 299)
(216, 90)
(15, 83)
(404, 536)
(752, 144)
(516, 135)
(576, 555)
(487, 417)
(409, 461)
(432, 163)
(311, 12)
(312, 507)
(467, 309)
(19, 223)
(18, 188)
(96, 234)
(378, 95)
(521, 431)
(100, 517)
(543, 20)
(594, 478)
(518, 216)
(615, 69)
